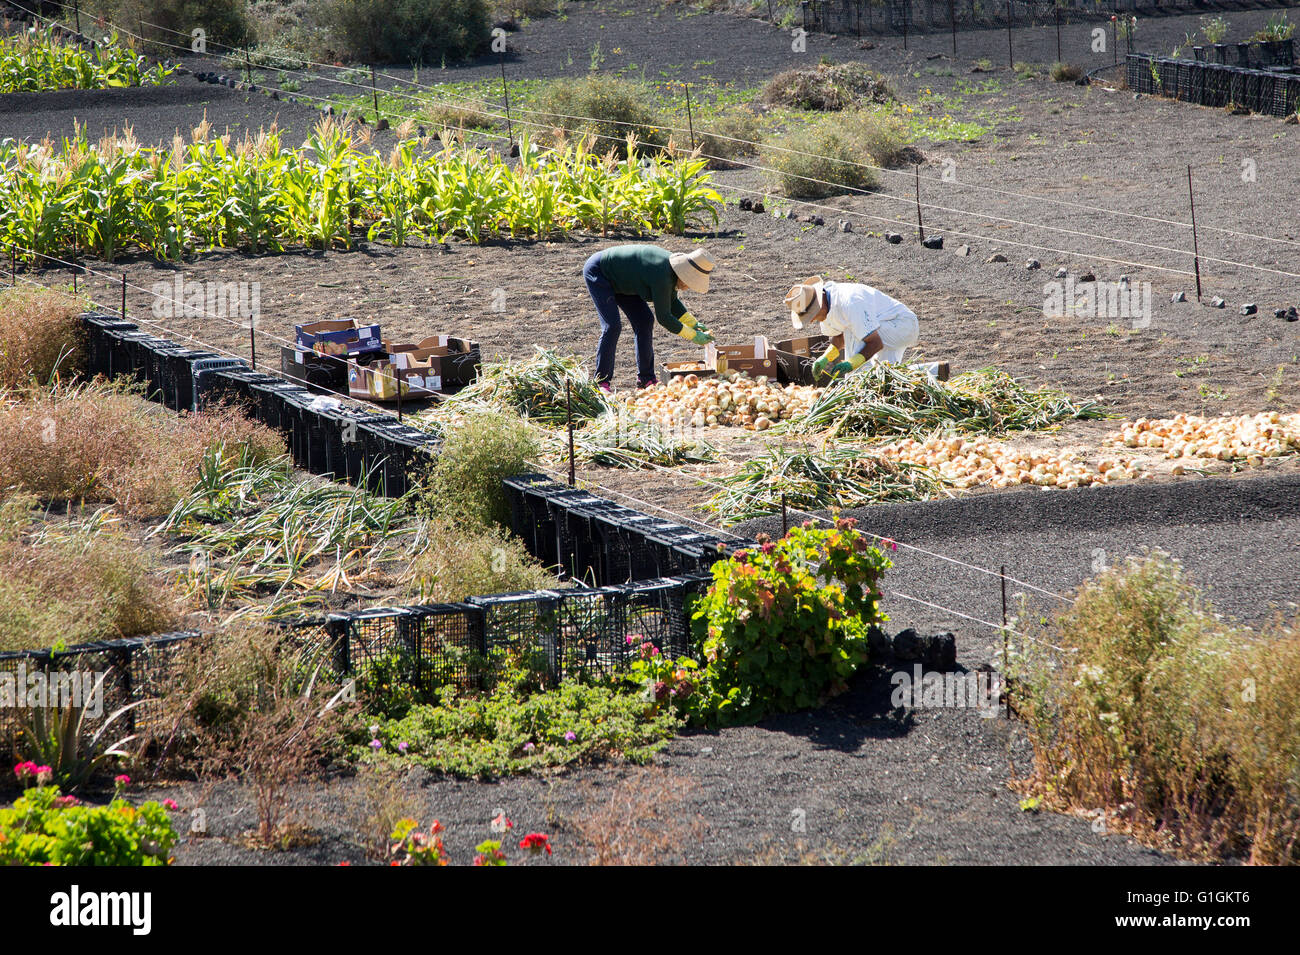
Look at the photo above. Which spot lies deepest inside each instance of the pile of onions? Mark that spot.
(968, 462)
(1249, 438)
(731, 398)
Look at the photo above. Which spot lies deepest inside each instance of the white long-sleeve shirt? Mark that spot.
(857, 310)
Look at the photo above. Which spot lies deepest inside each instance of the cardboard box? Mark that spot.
(338, 337)
(753, 359)
(795, 357)
(380, 380)
(455, 361)
(676, 369)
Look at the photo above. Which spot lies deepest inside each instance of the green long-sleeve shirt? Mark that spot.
(644, 271)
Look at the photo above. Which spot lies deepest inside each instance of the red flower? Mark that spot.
(889, 542)
(536, 842)
(768, 547)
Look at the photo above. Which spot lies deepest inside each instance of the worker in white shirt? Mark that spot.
(875, 326)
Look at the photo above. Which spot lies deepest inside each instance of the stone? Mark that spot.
(275, 95)
(941, 651)
(422, 132)
(1293, 119)
(818, 220)
(933, 242)
(1279, 313)
(1088, 277)
(746, 204)
(381, 123)
(1292, 314)
(1178, 297)
(807, 220)
(996, 257)
(1217, 302)
(1248, 308)
(1061, 273)
(893, 238)
(878, 643)
(846, 225)
(759, 207)
(1033, 264)
(791, 214)
(908, 646)
(962, 250)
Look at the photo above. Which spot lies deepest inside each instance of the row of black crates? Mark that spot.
(324, 436)
(582, 632)
(136, 670)
(597, 541)
(921, 16)
(1270, 92)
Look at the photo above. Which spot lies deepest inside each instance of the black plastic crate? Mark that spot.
(101, 332)
(525, 623)
(591, 635)
(445, 644)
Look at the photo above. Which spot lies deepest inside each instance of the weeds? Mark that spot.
(836, 154)
(40, 335)
(480, 450)
(1175, 724)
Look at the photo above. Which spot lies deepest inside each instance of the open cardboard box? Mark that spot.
(795, 356)
(454, 361)
(380, 380)
(338, 337)
(753, 359)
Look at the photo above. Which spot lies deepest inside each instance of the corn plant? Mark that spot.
(36, 61)
(259, 194)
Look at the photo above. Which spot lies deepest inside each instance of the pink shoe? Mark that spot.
(606, 387)
(648, 383)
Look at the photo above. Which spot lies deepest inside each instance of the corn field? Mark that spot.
(36, 61)
(260, 195)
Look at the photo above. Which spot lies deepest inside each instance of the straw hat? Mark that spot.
(692, 268)
(805, 300)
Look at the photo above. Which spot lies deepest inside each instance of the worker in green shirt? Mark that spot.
(629, 277)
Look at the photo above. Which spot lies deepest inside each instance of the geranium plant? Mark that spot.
(784, 626)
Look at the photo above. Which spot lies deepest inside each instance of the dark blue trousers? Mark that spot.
(639, 316)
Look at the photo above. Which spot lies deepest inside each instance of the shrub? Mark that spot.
(828, 87)
(462, 561)
(75, 583)
(100, 443)
(253, 706)
(783, 627)
(825, 159)
(517, 727)
(226, 21)
(1183, 727)
(450, 116)
(607, 107)
(464, 484)
(730, 135)
(44, 827)
(1066, 72)
(405, 31)
(40, 334)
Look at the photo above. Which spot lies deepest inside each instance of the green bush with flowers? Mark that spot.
(44, 827)
(781, 628)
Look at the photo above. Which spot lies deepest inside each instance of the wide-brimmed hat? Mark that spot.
(805, 300)
(692, 268)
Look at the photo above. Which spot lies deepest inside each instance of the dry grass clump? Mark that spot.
(102, 444)
(640, 820)
(828, 87)
(67, 583)
(1180, 726)
(1066, 72)
(836, 154)
(39, 333)
(462, 560)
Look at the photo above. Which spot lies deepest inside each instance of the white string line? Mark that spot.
(995, 626)
(902, 199)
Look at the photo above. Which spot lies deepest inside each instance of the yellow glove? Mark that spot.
(687, 319)
(694, 335)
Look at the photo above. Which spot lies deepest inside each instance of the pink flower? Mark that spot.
(122, 780)
(44, 774)
(529, 747)
(25, 769)
(889, 542)
(570, 736)
(403, 746)
(376, 745)
(170, 804)
(63, 802)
